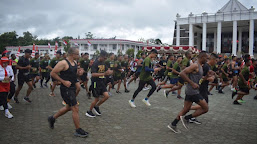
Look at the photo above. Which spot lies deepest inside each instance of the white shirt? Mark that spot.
(9, 72)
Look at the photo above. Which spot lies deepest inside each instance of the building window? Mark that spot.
(84, 47)
(95, 46)
(114, 47)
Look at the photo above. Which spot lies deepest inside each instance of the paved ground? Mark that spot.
(119, 124)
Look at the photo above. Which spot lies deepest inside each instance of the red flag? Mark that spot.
(33, 50)
(49, 45)
(56, 46)
(88, 43)
(18, 53)
(64, 42)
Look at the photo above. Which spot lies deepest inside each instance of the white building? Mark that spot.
(232, 29)
(109, 45)
(42, 49)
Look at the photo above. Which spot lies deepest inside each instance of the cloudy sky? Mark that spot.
(125, 19)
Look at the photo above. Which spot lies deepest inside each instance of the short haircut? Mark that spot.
(213, 55)
(142, 53)
(201, 54)
(187, 53)
(86, 53)
(154, 51)
(72, 50)
(103, 53)
(36, 53)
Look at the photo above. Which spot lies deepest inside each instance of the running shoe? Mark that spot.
(173, 128)
(221, 92)
(8, 115)
(1, 107)
(26, 99)
(9, 106)
(166, 93)
(52, 94)
(127, 85)
(174, 93)
(236, 103)
(180, 97)
(194, 120)
(126, 91)
(184, 122)
(109, 93)
(158, 88)
(41, 86)
(234, 94)
(241, 101)
(255, 97)
(80, 133)
(146, 102)
(16, 99)
(34, 85)
(46, 85)
(132, 103)
(118, 92)
(51, 121)
(90, 114)
(97, 111)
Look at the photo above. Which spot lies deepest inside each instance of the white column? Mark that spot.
(215, 41)
(219, 38)
(191, 35)
(178, 35)
(234, 44)
(251, 37)
(240, 42)
(204, 36)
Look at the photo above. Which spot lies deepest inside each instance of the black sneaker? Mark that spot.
(34, 85)
(184, 122)
(194, 120)
(233, 94)
(236, 103)
(221, 92)
(118, 92)
(80, 133)
(51, 121)
(26, 99)
(126, 91)
(173, 128)
(41, 86)
(16, 100)
(83, 86)
(180, 97)
(90, 114)
(97, 111)
(45, 85)
(255, 97)
(158, 89)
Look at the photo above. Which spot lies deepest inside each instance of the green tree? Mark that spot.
(139, 54)
(130, 52)
(89, 35)
(120, 52)
(8, 39)
(28, 38)
(158, 41)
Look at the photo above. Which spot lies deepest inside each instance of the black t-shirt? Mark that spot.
(205, 83)
(98, 67)
(163, 63)
(23, 62)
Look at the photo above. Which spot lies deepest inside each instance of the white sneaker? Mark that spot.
(109, 93)
(9, 106)
(127, 85)
(8, 115)
(1, 108)
(132, 104)
(146, 102)
(146, 88)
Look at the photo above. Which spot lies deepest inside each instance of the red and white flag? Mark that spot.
(76, 44)
(49, 45)
(33, 51)
(18, 53)
(55, 49)
(64, 42)
(89, 43)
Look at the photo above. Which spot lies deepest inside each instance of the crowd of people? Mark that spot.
(200, 73)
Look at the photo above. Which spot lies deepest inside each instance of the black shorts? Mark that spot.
(205, 96)
(116, 78)
(69, 95)
(84, 77)
(225, 79)
(137, 74)
(109, 80)
(33, 75)
(45, 75)
(244, 89)
(216, 81)
(181, 81)
(23, 78)
(194, 98)
(123, 75)
(53, 80)
(98, 88)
